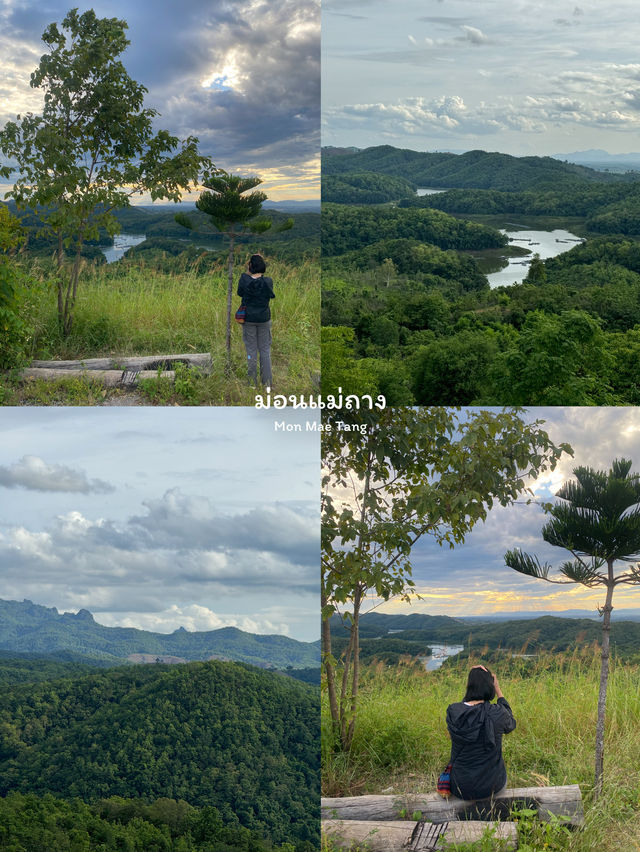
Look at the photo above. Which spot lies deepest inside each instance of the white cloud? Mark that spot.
(34, 474)
(474, 35)
(183, 548)
(193, 617)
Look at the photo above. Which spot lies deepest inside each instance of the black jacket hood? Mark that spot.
(471, 724)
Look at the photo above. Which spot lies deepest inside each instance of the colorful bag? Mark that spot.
(444, 783)
(241, 314)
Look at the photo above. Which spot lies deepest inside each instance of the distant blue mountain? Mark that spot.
(26, 627)
(598, 158)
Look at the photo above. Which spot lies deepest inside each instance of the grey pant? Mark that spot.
(257, 339)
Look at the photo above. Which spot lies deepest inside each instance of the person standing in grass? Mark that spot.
(476, 727)
(256, 291)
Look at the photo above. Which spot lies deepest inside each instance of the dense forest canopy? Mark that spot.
(350, 228)
(215, 735)
(365, 188)
(408, 313)
(29, 822)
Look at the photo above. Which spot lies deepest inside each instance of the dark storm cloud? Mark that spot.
(270, 111)
(240, 127)
(267, 108)
(35, 474)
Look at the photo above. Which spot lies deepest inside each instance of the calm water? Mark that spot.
(545, 243)
(439, 653)
(426, 190)
(121, 242)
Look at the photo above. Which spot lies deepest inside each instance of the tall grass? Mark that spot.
(401, 739)
(132, 309)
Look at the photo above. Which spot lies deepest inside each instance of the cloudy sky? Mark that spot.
(161, 518)
(523, 77)
(472, 579)
(241, 75)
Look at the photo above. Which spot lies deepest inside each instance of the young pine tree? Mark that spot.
(233, 213)
(598, 522)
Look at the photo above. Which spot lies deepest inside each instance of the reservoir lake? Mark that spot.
(439, 653)
(513, 270)
(501, 272)
(121, 242)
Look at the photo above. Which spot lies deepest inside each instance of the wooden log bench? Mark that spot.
(108, 378)
(412, 836)
(114, 372)
(565, 801)
(201, 360)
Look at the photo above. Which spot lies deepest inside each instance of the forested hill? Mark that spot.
(28, 627)
(161, 222)
(544, 633)
(221, 735)
(473, 169)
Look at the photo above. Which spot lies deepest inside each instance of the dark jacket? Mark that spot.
(477, 767)
(255, 294)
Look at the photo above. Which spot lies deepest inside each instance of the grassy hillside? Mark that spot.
(220, 735)
(162, 305)
(401, 741)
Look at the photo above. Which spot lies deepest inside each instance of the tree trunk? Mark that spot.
(346, 674)
(60, 283)
(66, 319)
(355, 626)
(232, 240)
(59, 251)
(604, 677)
(355, 682)
(328, 665)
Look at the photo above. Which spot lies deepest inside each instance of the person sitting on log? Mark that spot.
(476, 727)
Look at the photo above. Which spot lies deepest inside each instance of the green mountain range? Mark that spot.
(544, 633)
(30, 628)
(473, 169)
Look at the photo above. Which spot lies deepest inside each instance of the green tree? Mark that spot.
(13, 328)
(341, 370)
(232, 213)
(454, 369)
(388, 272)
(598, 522)
(556, 360)
(537, 274)
(403, 474)
(93, 147)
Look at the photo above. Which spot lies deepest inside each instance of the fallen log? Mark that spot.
(108, 378)
(398, 836)
(202, 360)
(548, 801)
